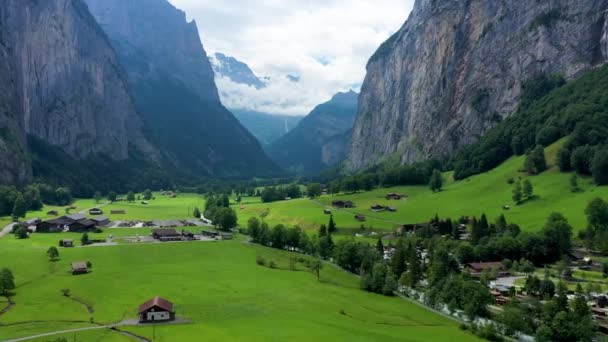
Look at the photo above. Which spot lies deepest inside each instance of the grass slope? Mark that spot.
(216, 284)
(484, 193)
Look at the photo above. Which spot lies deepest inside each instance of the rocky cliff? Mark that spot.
(456, 69)
(174, 89)
(320, 140)
(61, 83)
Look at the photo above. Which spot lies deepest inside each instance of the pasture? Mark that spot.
(217, 285)
(485, 193)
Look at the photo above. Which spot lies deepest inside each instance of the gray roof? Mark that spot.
(76, 217)
(99, 218)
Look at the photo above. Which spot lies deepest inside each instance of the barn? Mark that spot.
(156, 309)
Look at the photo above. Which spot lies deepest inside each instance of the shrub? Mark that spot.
(272, 264)
(260, 260)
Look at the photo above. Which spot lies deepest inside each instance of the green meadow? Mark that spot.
(485, 193)
(216, 285)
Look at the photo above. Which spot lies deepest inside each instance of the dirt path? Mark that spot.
(86, 211)
(6, 230)
(59, 333)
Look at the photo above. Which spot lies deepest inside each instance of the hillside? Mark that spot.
(320, 139)
(267, 128)
(457, 68)
(484, 193)
(174, 88)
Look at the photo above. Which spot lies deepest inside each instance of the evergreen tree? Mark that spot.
(97, 197)
(380, 247)
(331, 227)
(517, 192)
(131, 196)
(112, 196)
(84, 240)
(196, 212)
(398, 265)
(19, 209)
(7, 282)
(436, 182)
(147, 195)
(528, 189)
(322, 231)
(574, 183)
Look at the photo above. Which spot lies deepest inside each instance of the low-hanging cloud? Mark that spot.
(326, 43)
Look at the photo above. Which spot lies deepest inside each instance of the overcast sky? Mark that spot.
(325, 42)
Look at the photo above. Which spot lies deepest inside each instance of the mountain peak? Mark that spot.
(235, 70)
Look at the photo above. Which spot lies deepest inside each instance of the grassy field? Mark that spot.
(484, 193)
(160, 208)
(217, 285)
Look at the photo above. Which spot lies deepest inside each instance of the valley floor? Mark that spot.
(217, 285)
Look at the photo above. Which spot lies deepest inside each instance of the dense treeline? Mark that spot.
(218, 210)
(16, 202)
(279, 193)
(549, 110)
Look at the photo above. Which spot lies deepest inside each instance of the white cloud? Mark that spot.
(325, 42)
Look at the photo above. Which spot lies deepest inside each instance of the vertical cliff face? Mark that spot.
(175, 90)
(62, 84)
(456, 68)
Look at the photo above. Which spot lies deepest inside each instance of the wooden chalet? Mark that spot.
(95, 211)
(156, 309)
(343, 204)
(66, 243)
(210, 234)
(394, 196)
(360, 218)
(166, 234)
(79, 268)
(377, 208)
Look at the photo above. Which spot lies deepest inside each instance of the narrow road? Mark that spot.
(7, 230)
(60, 332)
(86, 211)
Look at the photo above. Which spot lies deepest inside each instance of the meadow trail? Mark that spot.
(6, 230)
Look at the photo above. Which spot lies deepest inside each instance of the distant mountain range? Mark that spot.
(267, 128)
(320, 140)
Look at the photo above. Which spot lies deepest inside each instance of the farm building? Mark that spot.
(343, 204)
(101, 221)
(210, 234)
(377, 208)
(79, 268)
(394, 196)
(156, 309)
(66, 243)
(477, 268)
(95, 211)
(76, 217)
(226, 236)
(360, 218)
(187, 235)
(166, 234)
(118, 212)
(81, 226)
